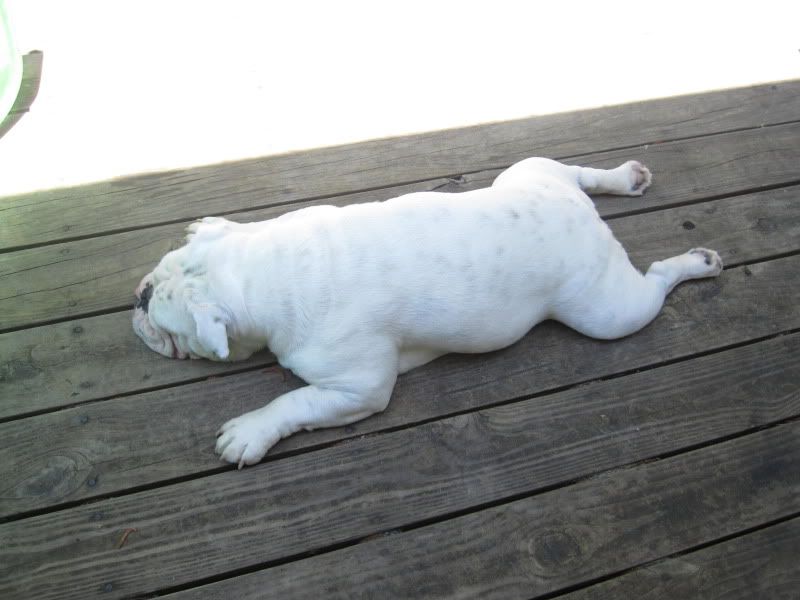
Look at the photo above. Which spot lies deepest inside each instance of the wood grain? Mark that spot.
(759, 565)
(96, 357)
(237, 520)
(187, 194)
(542, 544)
(86, 359)
(557, 463)
(153, 437)
(75, 279)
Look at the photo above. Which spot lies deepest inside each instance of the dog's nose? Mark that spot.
(143, 301)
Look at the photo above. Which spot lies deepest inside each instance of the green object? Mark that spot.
(10, 65)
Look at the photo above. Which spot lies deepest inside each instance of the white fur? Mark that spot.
(349, 297)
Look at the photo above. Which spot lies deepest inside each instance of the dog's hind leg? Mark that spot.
(623, 300)
(629, 179)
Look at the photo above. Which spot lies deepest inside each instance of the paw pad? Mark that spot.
(710, 258)
(640, 176)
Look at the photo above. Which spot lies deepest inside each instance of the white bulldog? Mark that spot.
(348, 298)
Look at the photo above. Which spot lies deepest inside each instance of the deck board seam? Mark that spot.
(514, 498)
(650, 563)
(125, 307)
(685, 454)
(314, 198)
(322, 446)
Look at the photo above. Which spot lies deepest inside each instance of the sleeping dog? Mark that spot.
(350, 297)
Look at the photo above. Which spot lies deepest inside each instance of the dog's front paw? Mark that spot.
(246, 439)
(639, 177)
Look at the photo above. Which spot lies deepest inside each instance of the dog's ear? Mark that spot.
(211, 327)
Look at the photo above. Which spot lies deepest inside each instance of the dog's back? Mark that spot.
(465, 272)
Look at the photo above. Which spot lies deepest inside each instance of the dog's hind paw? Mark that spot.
(711, 265)
(639, 177)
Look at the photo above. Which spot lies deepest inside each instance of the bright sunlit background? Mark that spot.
(159, 84)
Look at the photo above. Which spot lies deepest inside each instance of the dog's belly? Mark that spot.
(471, 272)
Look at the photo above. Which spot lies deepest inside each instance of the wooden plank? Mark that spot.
(175, 427)
(28, 90)
(741, 229)
(97, 357)
(86, 359)
(385, 481)
(242, 519)
(540, 545)
(77, 278)
(154, 198)
(82, 277)
(759, 565)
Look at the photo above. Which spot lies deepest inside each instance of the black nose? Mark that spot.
(144, 300)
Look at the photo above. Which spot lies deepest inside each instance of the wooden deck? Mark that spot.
(664, 465)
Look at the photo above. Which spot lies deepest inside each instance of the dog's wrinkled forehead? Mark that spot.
(164, 286)
(168, 268)
(167, 305)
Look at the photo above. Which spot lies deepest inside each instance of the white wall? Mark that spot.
(157, 84)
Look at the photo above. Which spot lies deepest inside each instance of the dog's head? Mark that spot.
(175, 314)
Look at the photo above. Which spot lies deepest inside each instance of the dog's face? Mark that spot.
(173, 314)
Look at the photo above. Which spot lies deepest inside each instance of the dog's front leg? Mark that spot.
(246, 439)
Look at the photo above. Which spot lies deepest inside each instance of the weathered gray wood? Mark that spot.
(741, 229)
(242, 519)
(76, 361)
(52, 366)
(77, 278)
(759, 565)
(155, 198)
(28, 90)
(308, 496)
(576, 534)
(153, 437)
(148, 438)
